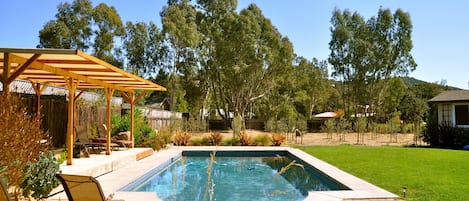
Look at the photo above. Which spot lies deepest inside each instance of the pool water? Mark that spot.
(235, 178)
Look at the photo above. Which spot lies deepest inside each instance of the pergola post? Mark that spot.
(109, 92)
(71, 86)
(132, 100)
(6, 72)
(38, 89)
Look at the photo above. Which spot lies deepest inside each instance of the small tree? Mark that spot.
(329, 126)
(413, 111)
(342, 128)
(20, 135)
(393, 126)
(360, 128)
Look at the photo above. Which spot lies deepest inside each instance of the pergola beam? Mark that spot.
(58, 71)
(23, 67)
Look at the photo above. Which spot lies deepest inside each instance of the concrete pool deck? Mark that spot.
(124, 167)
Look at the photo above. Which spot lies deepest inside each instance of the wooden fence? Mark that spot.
(54, 114)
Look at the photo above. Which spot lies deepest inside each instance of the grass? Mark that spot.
(428, 174)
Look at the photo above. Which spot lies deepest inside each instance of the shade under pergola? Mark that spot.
(74, 70)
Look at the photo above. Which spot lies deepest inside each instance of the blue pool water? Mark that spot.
(235, 178)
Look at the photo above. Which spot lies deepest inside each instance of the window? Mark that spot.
(446, 113)
(462, 114)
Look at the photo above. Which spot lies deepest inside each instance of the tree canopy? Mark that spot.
(215, 57)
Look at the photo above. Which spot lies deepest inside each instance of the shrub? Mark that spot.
(40, 176)
(328, 127)
(20, 137)
(157, 141)
(3, 179)
(142, 131)
(393, 124)
(194, 125)
(200, 141)
(245, 139)
(231, 142)
(181, 138)
(262, 140)
(445, 135)
(164, 136)
(215, 138)
(278, 139)
(176, 124)
(273, 125)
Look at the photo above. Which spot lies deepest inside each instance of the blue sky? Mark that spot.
(440, 28)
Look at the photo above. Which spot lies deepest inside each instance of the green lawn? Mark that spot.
(428, 174)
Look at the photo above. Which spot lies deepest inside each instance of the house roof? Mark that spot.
(51, 66)
(326, 115)
(451, 96)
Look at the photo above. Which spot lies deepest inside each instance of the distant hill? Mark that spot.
(410, 81)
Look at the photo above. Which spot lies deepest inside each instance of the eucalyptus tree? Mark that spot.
(210, 18)
(145, 47)
(81, 26)
(179, 25)
(109, 26)
(72, 28)
(393, 45)
(247, 52)
(278, 103)
(392, 95)
(312, 85)
(146, 53)
(363, 53)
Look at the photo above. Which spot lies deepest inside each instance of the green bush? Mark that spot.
(120, 123)
(157, 141)
(40, 176)
(262, 140)
(200, 141)
(142, 131)
(445, 135)
(273, 125)
(3, 178)
(231, 142)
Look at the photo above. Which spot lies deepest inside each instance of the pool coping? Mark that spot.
(116, 180)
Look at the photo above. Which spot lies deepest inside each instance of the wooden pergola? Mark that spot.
(74, 70)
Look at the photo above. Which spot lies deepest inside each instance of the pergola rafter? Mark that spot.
(75, 70)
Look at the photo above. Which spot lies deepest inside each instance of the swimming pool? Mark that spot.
(235, 175)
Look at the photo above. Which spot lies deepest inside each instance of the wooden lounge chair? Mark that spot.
(4, 194)
(82, 188)
(95, 144)
(123, 139)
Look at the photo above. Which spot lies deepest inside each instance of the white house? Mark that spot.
(453, 107)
